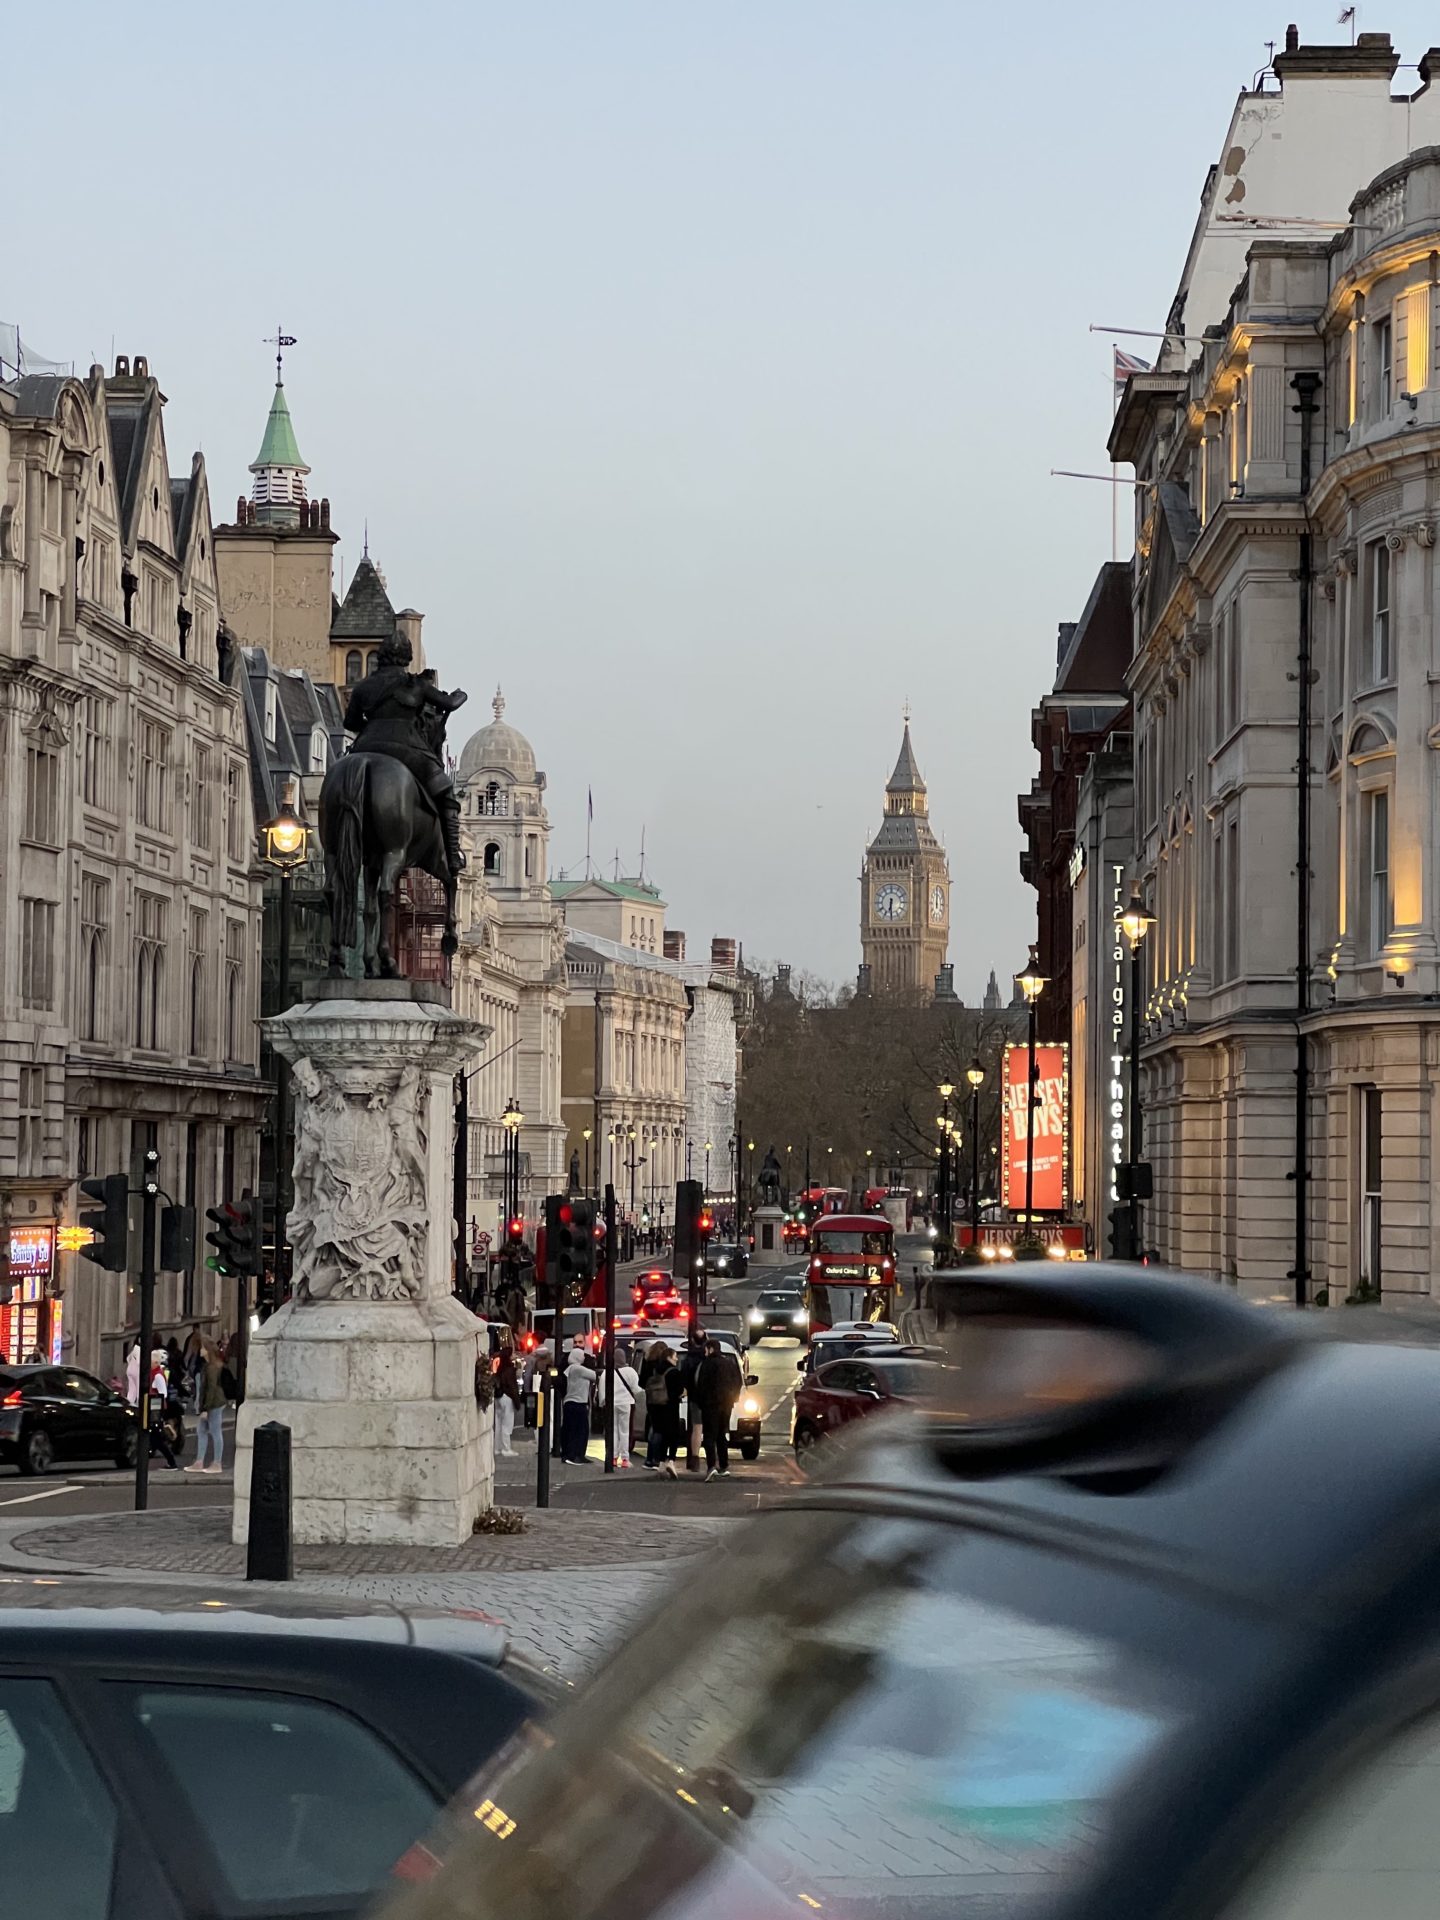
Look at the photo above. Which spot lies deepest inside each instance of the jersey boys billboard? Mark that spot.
(1052, 1123)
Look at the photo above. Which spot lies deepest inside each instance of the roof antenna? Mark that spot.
(642, 856)
(279, 340)
(366, 554)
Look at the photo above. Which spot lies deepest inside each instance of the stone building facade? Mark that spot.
(624, 1069)
(130, 924)
(1329, 352)
(510, 971)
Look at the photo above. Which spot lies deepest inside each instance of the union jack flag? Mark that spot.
(1125, 365)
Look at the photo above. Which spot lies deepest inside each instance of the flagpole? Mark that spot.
(589, 823)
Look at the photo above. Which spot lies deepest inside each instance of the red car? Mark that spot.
(846, 1390)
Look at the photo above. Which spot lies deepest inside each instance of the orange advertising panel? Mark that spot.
(1051, 1133)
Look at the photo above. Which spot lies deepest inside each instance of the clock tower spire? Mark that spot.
(905, 889)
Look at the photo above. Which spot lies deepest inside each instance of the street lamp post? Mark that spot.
(975, 1074)
(587, 1134)
(945, 1090)
(1135, 923)
(707, 1169)
(512, 1119)
(287, 842)
(1031, 983)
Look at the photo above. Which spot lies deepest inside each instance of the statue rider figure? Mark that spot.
(403, 714)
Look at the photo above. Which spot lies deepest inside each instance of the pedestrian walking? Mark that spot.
(159, 1394)
(688, 1367)
(507, 1400)
(717, 1387)
(575, 1410)
(662, 1408)
(192, 1359)
(627, 1393)
(209, 1431)
(132, 1375)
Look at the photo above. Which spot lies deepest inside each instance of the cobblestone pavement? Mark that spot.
(566, 1620)
(197, 1541)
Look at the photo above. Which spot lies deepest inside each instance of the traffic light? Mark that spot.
(233, 1238)
(514, 1230)
(569, 1244)
(689, 1247)
(110, 1223)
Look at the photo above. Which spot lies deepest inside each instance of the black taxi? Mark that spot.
(1142, 1624)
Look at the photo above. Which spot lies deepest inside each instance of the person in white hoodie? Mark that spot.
(132, 1375)
(627, 1397)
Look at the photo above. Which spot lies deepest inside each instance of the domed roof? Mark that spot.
(499, 748)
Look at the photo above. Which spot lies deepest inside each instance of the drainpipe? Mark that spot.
(1306, 386)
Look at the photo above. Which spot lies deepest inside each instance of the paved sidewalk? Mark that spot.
(196, 1541)
(566, 1590)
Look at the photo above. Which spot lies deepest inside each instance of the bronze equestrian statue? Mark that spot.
(388, 805)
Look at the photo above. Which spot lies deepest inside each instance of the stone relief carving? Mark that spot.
(359, 1222)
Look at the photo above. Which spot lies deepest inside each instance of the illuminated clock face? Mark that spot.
(937, 904)
(890, 902)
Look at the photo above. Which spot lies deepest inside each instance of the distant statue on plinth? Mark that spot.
(770, 1180)
(389, 805)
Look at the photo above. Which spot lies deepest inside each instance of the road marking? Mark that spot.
(46, 1493)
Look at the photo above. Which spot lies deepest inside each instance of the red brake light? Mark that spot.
(11, 1399)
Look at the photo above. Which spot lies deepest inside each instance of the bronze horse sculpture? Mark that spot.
(389, 805)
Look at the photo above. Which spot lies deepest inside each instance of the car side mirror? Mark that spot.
(752, 1379)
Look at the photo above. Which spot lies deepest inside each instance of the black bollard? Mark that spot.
(270, 1548)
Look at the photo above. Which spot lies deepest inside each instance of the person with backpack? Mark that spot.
(660, 1386)
(718, 1382)
(211, 1402)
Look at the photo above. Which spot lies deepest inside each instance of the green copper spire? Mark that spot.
(278, 448)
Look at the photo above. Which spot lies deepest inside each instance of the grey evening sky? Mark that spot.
(698, 366)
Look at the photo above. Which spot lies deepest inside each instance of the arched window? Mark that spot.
(232, 1013)
(93, 984)
(319, 750)
(197, 1003)
(354, 666)
(370, 661)
(492, 857)
(142, 981)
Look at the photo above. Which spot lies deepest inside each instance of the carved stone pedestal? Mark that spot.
(372, 1364)
(770, 1249)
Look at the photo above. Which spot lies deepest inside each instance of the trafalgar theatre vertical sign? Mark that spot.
(1050, 1188)
(1117, 1119)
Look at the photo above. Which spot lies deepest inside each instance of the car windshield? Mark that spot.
(867, 1716)
(786, 1302)
(830, 1240)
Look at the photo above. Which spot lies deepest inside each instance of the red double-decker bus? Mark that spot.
(851, 1275)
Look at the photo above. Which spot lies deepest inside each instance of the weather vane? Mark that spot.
(905, 713)
(279, 340)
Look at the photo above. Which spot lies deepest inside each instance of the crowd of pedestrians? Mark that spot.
(197, 1378)
(666, 1400)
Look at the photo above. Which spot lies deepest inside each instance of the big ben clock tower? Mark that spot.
(905, 890)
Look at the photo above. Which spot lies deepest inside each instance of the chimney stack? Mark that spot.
(722, 955)
(674, 945)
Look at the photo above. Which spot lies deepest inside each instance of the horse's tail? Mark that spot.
(345, 835)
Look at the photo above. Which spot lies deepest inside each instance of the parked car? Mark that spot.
(846, 1390)
(1146, 1626)
(779, 1313)
(178, 1753)
(63, 1413)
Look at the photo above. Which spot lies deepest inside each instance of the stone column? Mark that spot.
(372, 1363)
